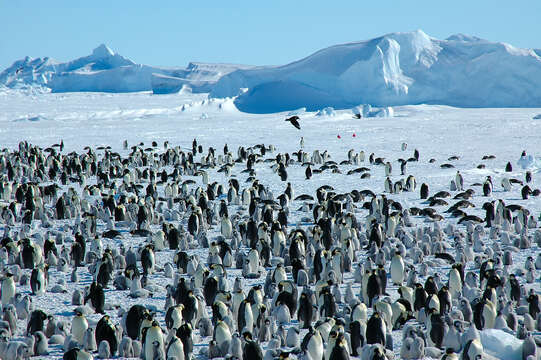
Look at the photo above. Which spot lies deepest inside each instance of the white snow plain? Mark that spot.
(94, 119)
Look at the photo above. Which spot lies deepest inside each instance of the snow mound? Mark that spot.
(501, 345)
(537, 117)
(367, 111)
(328, 111)
(106, 71)
(226, 105)
(31, 118)
(395, 69)
(297, 112)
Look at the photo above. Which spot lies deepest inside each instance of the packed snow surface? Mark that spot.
(438, 132)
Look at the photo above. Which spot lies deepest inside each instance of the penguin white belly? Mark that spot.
(248, 318)
(360, 312)
(278, 239)
(226, 228)
(397, 270)
(489, 314)
(41, 283)
(153, 334)
(223, 334)
(455, 283)
(386, 312)
(315, 346)
(253, 261)
(175, 349)
(8, 290)
(78, 328)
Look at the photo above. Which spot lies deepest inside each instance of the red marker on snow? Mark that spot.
(338, 136)
(354, 135)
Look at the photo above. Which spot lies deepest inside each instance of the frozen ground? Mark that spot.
(93, 119)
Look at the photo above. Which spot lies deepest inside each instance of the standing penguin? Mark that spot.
(312, 344)
(374, 287)
(8, 288)
(174, 349)
(340, 350)
(397, 269)
(473, 350)
(487, 187)
(77, 354)
(185, 334)
(38, 280)
(106, 331)
(148, 259)
(245, 316)
(96, 297)
(376, 330)
(153, 341)
(79, 324)
(424, 191)
(459, 181)
(305, 312)
(251, 349)
(357, 336)
(222, 336)
(308, 172)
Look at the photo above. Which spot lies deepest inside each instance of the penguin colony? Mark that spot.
(227, 269)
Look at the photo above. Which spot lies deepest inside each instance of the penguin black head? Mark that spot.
(284, 355)
(247, 335)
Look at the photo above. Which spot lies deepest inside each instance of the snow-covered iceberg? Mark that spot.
(395, 69)
(106, 71)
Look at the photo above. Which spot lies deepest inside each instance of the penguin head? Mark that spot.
(284, 355)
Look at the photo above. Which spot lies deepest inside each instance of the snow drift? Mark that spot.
(106, 71)
(395, 69)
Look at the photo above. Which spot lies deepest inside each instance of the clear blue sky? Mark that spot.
(172, 33)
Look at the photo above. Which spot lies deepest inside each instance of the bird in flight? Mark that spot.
(294, 120)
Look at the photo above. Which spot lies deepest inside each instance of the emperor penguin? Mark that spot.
(8, 288)
(173, 316)
(376, 330)
(226, 228)
(459, 181)
(153, 339)
(245, 319)
(305, 311)
(222, 336)
(312, 344)
(77, 354)
(38, 280)
(148, 259)
(79, 324)
(397, 269)
(473, 350)
(174, 349)
(340, 349)
(252, 349)
(436, 329)
(106, 331)
(455, 283)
